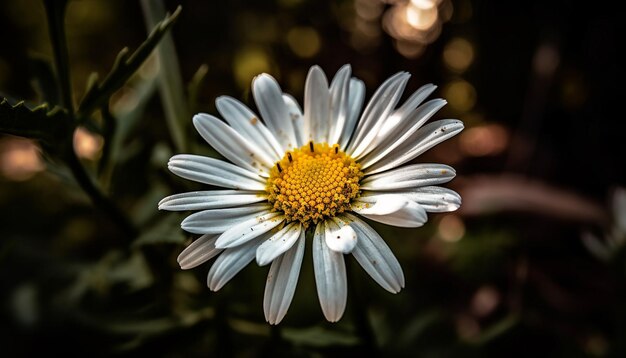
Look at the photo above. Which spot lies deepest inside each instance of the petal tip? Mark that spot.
(200, 117)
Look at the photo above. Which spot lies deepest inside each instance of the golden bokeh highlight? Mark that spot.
(460, 94)
(412, 24)
(19, 159)
(314, 182)
(249, 62)
(420, 17)
(415, 24)
(87, 145)
(368, 10)
(365, 25)
(458, 55)
(305, 42)
(451, 228)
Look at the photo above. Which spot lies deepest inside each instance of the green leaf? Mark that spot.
(125, 65)
(50, 127)
(170, 80)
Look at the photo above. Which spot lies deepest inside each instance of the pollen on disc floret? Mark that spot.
(314, 182)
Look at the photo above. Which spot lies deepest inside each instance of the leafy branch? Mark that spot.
(40, 123)
(54, 128)
(123, 68)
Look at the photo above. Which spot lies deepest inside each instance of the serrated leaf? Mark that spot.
(50, 127)
(124, 67)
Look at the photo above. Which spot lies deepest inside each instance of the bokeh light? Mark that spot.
(458, 54)
(484, 140)
(304, 41)
(19, 159)
(485, 301)
(421, 18)
(415, 24)
(86, 144)
(460, 94)
(365, 26)
(249, 62)
(451, 228)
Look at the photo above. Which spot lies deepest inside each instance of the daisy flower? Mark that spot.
(321, 171)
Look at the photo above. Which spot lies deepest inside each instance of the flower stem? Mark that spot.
(99, 200)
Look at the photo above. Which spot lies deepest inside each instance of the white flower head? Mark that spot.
(289, 172)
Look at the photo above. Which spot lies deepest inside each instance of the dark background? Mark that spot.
(512, 279)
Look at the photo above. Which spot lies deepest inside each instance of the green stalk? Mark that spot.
(99, 200)
(170, 80)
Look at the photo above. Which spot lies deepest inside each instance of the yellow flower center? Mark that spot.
(314, 182)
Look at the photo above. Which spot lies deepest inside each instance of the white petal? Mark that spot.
(316, 106)
(339, 102)
(389, 139)
(355, 102)
(199, 252)
(409, 176)
(214, 172)
(415, 99)
(229, 263)
(330, 276)
(232, 145)
(281, 282)
(432, 198)
(380, 208)
(339, 236)
(269, 99)
(295, 113)
(249, 229)
(248, 124)
(216, 221)
(375, 257)
(213, 199)
(278, 243)
(419, 142)
(380, 204)
(379, 107)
